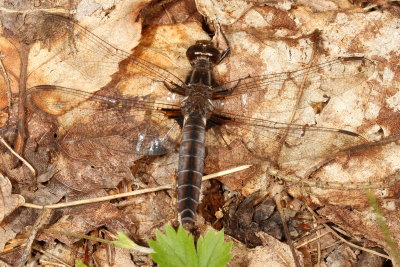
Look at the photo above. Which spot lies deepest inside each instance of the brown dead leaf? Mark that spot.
(244, 218)
(362, 223)
(6, 234)
(263, 40)
(225, 12)
(150, 212)
(119, 257)
(373, 164)
(11, 257)
(170, 12)
(8, 201)
(59, 253)
(271, 253)
(222, 158)
(272, 22)
(83, 219)
(20, 174)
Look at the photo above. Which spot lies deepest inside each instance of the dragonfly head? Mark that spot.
(205, 50)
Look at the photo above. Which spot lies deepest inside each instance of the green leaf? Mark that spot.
(380, 219)
(78, 263)
(212, 251)
(174, 249)
(123, 241)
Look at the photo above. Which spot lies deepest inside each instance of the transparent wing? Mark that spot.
(304, 86)
(293, 147)
(260, 108)
(106, 121)
(89, 54)
(275, 114)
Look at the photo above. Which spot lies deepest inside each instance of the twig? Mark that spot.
(337, 242)
(23, 76)
(319, 250)
(37, 10)
(372, 6)
(80, 236)
(311, 240)
(347, 242)
(44, 216)
(51, 256)
(24, 161)
(50, 263)
(278, 199)
(98, 199)
(127, 194)
(101, 240)
(226, 172)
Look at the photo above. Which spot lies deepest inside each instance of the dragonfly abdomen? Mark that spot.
(190, 168)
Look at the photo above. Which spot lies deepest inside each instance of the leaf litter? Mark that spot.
(287, 43)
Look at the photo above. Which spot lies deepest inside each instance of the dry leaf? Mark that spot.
(83, 219)
(8, 201)
(264, 39)
(120, 257)
(271, 253)
(6, 234)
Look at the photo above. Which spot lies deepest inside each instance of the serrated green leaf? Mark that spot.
(174, 249)
(78, 263)
(212, 251)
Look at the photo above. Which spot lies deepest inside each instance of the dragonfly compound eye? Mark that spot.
(203, 50)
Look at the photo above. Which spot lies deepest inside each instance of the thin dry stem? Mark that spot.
(37, 10)
(63, 263)
(24, 161)
(43, 218)
(50, 263)
(347, 242)
(277, 199)
(311, 240)
(226, 172)
(134, 246)
(127, 194)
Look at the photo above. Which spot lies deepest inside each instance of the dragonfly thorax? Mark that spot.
(197, 101)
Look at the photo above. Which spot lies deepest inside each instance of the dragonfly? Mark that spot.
(205, 109)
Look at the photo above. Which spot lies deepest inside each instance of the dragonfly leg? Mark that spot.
(217, 131)
(220, 92)
(220, 42)
(175, 114)
(216, 120)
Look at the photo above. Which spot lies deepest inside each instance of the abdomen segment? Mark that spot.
(190, 168)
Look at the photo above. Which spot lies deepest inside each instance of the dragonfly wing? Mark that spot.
(275, 114)
(89, 55)
(292, 147)
(302, 87)
(93, 133)
(111, 123)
